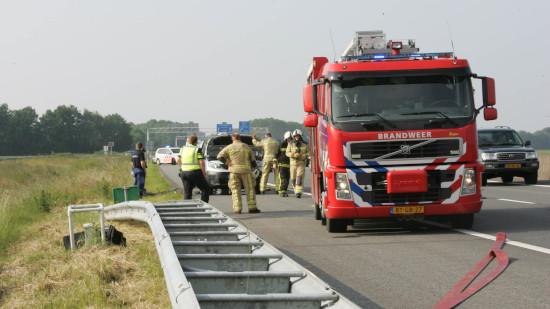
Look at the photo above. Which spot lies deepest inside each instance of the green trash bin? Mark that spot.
(124, 194)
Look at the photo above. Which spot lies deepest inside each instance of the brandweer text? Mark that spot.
(404, 135)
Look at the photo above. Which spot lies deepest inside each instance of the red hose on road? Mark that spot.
(464, 288)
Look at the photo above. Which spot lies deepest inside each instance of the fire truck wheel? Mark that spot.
(463, 221)
(337, 225)
(317, 211)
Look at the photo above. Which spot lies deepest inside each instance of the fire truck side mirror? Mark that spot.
(489, 96)
(490, 113)
(309, 98)
(311, 120)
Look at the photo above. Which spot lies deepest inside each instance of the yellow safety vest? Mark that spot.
(189, 157)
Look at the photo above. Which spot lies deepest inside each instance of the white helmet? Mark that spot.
(287, 135)
(297, 132)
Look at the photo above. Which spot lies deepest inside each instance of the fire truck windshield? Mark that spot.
(404, 102)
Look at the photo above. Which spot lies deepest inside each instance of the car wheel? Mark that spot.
(173, 161)
(158, 162)
(532, 178)
(507, 179)
(483, 180)
(225, 192)
(463, 221)
(337, 225)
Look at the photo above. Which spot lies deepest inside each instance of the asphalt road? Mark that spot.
(386, 265)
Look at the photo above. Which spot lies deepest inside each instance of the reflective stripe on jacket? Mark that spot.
(189, 157)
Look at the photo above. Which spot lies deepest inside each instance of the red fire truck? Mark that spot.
(393, 133)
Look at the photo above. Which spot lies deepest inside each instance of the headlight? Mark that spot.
(343, 191)
(531, 155)
(469, 182)
(215, 164)
(485, 156)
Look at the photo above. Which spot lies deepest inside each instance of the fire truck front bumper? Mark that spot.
(349, 210)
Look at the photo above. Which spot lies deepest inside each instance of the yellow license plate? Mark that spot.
(407, 210)
(512, 165)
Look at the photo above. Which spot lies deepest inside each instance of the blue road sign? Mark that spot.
(244, 127)
(224, 127)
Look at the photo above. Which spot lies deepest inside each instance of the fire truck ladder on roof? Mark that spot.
(372, 46)
(212, 261)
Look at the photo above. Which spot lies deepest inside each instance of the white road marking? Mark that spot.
(497, 181)
(508, 242)
(515, 201)
(491, 237)
(273, 185)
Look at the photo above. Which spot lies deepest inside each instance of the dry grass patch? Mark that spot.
(35, 269)
(42, 274)
(544, 169)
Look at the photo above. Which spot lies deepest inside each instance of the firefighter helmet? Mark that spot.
(297, 132)
(287, 135)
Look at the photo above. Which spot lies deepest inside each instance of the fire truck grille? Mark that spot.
(432, 149)
(510, 156)
(379, 195)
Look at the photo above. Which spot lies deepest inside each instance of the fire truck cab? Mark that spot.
(393, 133)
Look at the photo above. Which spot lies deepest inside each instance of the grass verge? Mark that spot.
(35, 269)
(544, 169)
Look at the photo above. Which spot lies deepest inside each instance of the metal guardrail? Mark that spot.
(212, 261)
(179, 290)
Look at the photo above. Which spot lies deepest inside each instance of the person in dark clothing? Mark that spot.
(283, 174)
(138, 168)
(193, 170)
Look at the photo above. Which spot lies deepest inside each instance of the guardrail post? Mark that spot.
(71, 233)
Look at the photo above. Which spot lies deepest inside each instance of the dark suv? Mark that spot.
(505, 155)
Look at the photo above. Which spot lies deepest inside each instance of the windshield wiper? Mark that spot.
(449, 119)
(389, 123)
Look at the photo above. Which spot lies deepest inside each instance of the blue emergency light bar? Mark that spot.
(397, 57)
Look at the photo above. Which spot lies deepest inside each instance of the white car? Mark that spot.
(166, 155)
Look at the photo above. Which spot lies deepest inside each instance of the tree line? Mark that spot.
(539, 139)
(64, 129)
(67, 129)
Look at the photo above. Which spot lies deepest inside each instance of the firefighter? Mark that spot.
(238, 157)
(298, 152)
(192, 170)
(270, 147)
(283, 166)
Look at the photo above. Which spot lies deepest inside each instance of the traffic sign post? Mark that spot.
(244, 127)
(224, 127)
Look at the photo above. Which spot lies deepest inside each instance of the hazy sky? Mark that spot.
(212, 61)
